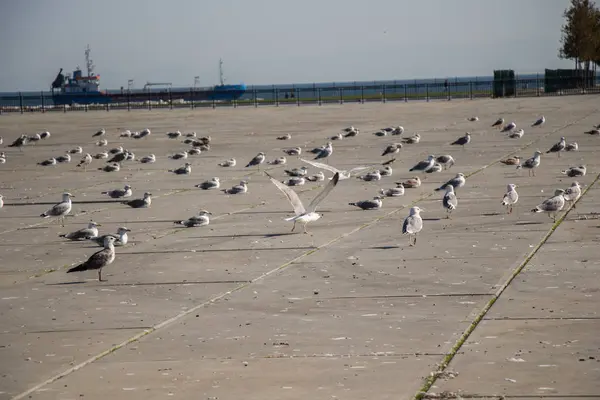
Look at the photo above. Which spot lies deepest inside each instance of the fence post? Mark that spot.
(149, 100)
(471, 90)
(65, 108)
(108, 100)
(297, 90)
(319, 96)
(192, 98)
(405, 94)
(427, 91)
(362, 95)
(537, 84)
(255, 98)
(383, 94)
(276, 93)
(43, 105)
(21, 102)
(341, 90)
(128, 100)
(170, 99)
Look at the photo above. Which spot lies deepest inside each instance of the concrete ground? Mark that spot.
(242, 309)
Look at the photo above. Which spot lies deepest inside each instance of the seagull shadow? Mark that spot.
(65, 283)
(529, 223)
(493, 214)
(431, 219)
(384, 247)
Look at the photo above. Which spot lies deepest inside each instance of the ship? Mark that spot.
(79, 89)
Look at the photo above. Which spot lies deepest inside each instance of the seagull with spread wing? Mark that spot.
(308, 214)
(343, 173)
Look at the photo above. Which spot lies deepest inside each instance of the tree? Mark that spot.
(580, 39)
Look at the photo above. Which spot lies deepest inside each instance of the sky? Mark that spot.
(275, 41)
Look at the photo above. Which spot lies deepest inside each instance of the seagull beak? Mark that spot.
(98, 224)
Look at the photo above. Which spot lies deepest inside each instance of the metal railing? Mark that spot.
(315, 94)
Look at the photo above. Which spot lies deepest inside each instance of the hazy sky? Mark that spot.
(275, 41)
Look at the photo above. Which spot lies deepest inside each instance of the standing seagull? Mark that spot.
(540, 121)
(61, 209)
(98, 260)
(305, 215)
(573, 193)
(257, 160)
(463, 140)
(558, 147)
(392, 149)
(424, 165)
(456, 182)
(510, 197)
(532, 163)
(412, 225)
(82, 234)
(325, 152)
(553, 205)
(446, 160)
(85, 161)
(343, 173)
(449, 201)
(20, 142)
(144, 202)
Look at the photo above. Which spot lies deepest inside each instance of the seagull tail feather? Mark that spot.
(79, 268)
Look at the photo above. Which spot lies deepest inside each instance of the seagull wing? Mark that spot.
(290, 194)
(356, 169)
(322, 166)
(328, 188)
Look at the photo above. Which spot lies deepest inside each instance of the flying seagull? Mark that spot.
(342, 173)
(304, 215)
(99, 259)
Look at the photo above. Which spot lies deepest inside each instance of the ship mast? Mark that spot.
(221, 79)
(88, 61)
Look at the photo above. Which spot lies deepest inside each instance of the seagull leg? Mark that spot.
(305, 231)
(294, 227)
(100, 275)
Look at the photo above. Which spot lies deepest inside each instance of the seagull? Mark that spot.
(386, 171)
(50, 161)
(437, 167)
(102, 142)
(114, 167)
(228, 163)
(202, 219)
(278, 161)
(572, 146)
(339, 136)
(380, 133)
(1, 201)
(351, 132)
(515, 160)
(412, 225)
(342, 173)
(509, 127)
(510, 197)
(399, 130)
(146, 132)
(2, 158)
(302, 171)
(595, 131)
(85, 161)
(237, 189)
(212, 183)
(119, 157)
(558, 147)
(64, 159)
(572, 172)
(144, 202)
(516, 134)
(20, 142)
(553, 205)
(101, 156)
(326, 152)
(540, 121)
(446, 160)
(191, 134)
(449, 201)
(121, 238)
(287, 136)
(411, 183)
(308, 214)
(186, 169)
(60, 210)
(393, 192)
(82, 234)
(149, 159)
(392, 149)
(374, 204)
(126, 133)
(116, 150)
(45, 135)
(457, 182)
(76, 150)
(34, 138)
(473, 119)
(101, 132)
(180, 155)
(257, 160)
(119, 193)
(173, 135)
(573, 193)
(424, 165)
(532, 163)
(98, 260)
(498, 124)
(1, 140)
(294, 151)
(463, 140)
(295, 181)
(371, 176)
(318, 177)
(414, 139)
